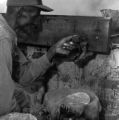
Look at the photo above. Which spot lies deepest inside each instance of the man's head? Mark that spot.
(23, 14)
(28, 10)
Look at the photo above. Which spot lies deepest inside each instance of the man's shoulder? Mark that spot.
(1, 17)
(2, 21)
(3, 26)
(5, 30)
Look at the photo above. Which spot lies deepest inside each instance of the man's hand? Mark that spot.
(64, 47)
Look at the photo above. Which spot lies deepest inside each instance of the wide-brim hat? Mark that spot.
(34, 3)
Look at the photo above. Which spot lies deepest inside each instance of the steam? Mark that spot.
(80, 7)
(3, 6)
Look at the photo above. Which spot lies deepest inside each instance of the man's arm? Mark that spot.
(34, 69)
(38, 67)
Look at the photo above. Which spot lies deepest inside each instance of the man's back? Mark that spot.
(7, 40)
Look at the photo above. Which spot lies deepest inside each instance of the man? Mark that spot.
(8, 42)
(28, 10)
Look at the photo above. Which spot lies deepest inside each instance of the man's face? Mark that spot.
(28, 23)
(27, 15)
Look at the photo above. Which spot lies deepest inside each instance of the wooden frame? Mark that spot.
(56, 27)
